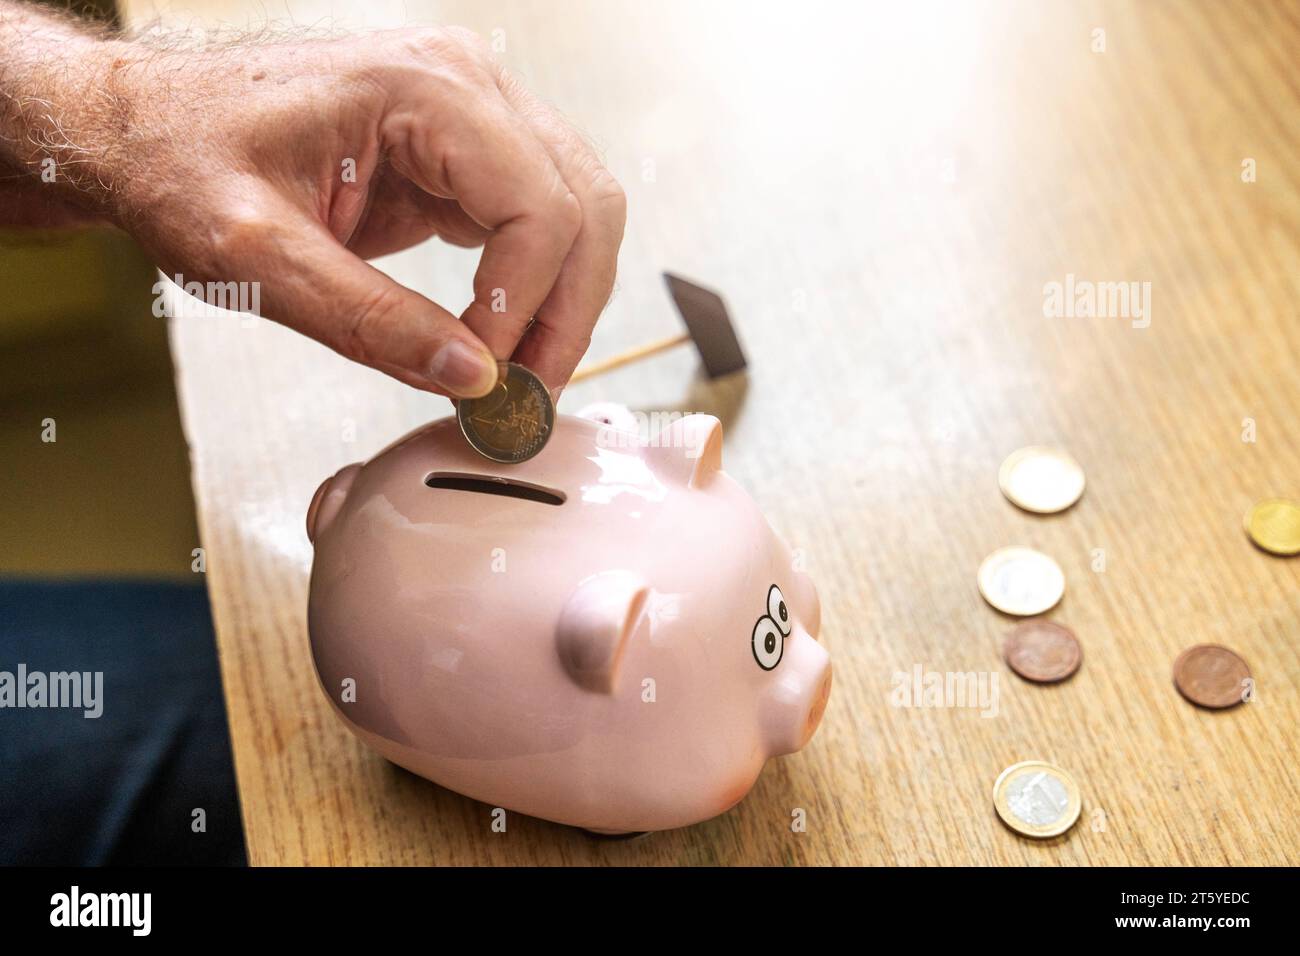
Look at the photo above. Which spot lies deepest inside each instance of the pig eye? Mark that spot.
(777, 610)
(769, 644)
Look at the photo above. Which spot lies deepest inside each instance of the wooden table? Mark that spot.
(883, 197)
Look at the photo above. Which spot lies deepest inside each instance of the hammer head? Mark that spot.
(709, 326)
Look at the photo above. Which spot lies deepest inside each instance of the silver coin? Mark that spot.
(1040, 479)
(1037, 799)
(1021, 581)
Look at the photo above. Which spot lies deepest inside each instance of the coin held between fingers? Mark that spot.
(513, 421)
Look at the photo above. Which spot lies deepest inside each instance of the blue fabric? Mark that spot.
(120, 788)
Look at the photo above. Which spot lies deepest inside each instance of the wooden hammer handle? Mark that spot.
(626, 358)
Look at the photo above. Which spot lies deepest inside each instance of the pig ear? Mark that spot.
(693, 446)
(329, 499)
(595, 626)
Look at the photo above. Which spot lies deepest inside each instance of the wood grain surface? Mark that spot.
(882, 194)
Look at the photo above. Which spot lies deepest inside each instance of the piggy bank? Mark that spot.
(608, 635)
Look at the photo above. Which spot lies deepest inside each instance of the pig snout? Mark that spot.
(798, 698)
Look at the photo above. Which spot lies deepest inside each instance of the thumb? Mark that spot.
(314, 285)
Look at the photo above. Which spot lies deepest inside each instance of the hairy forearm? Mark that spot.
(64, 118)
(90, 119)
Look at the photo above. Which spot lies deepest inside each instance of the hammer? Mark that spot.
(707, 325)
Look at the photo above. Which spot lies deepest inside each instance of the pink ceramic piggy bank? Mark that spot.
(608, 635)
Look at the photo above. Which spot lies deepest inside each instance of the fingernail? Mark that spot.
(463, 370)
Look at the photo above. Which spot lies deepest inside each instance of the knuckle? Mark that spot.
(608, 196)
(513, 89)
(567, 214)
(454, 48)
(240, 229)
(579, 344)
(467, 38)
(602, 194)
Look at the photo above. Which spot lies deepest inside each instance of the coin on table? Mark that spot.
(1021, 581)
(1037, 799)
(1210, 675)
(1041, 479)
(511, 423)
(1042, 651)
(1274, 525)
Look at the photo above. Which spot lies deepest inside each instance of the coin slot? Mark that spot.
(488, 485)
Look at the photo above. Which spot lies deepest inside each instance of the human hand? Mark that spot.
(235, 162)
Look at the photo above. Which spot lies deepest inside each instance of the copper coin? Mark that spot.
(1042, 651)
(1210, 675)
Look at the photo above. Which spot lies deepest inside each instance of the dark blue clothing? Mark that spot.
(120, 788)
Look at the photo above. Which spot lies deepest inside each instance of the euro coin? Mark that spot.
(1037, 799)
(1042, 651)
(1040, 479)
(513, 422)
(1021, 581)
(1210, 675)
(1274, 526)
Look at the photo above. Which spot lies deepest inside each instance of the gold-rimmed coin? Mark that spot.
(511, 423)
(1021, 581)
(1043, 651)
(1210, 675)
(1040, 479)
(1037, 799)
(1274, 526)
